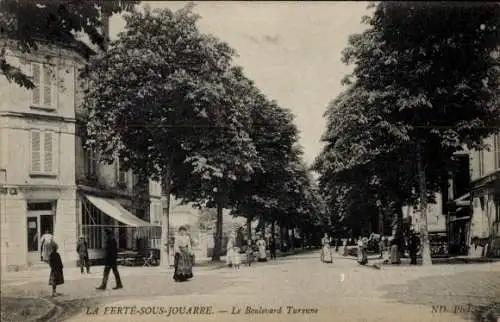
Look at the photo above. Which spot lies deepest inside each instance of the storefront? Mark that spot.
(99, 214)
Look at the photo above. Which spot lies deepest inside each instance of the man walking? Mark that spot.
(110, 262)
(83, 253)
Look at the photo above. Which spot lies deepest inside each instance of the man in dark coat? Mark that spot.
(110, 262)
(82, 249)
(413, 246)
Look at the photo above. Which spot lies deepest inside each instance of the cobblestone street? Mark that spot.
(342, 289)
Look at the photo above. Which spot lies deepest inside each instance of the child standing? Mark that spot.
(56, 269)
(236, 259)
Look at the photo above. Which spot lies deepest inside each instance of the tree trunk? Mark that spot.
(292, 239)
(424, 234)
(165, 223)
(249, 229)
(218, 233)
(273, 232)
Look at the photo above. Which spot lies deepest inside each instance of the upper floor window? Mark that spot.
(43, 156)
(90, 163)
(496, 145)
(43, 95)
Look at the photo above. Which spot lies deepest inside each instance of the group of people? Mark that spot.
(49, 254)
(233, 256)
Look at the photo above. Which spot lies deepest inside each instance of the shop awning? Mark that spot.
(453, 218)
(116, 211)
(463, 201)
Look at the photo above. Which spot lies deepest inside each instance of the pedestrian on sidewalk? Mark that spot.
(82, 249)
(46, 245)
(229, 249)
(395, 258)
(362, 245)
(326, 251)
(261, 244)
(110, 262)
(249, 253)
(344, 247)
(272, 248)
(236, 259)
(56, 269)
(183, 268)
(413, 247)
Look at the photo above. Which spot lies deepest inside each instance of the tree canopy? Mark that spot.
(425, 85)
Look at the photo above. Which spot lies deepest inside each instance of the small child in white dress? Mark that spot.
(235, 258)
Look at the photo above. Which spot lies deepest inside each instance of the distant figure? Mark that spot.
(56, 269)
(362, 245)
(261, 244)
(110, 262)
(46, 245)
(395, 259)
(82, 249)
(413, 247)
(344, 247)
(381, 246)
(326, 251)
(236, 259)
(183, 267)
(229, 249)
(272, 248)
(249, 253)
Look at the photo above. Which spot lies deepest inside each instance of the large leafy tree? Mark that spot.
(161, 100)
(31, 23)
(221, 154)
(431, 75)
(275, 136)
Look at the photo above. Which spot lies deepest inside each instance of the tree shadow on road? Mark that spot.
(471, 295)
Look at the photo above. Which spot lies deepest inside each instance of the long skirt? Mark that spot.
(229, 256)
(395, 255)
(326, 255)
(362, 257)
(183, 267)
(262, 254)
(56, 277)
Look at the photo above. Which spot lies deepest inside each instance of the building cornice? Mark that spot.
(41, 117)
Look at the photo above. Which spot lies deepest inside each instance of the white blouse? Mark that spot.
(182, 241)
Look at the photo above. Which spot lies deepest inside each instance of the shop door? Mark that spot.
(38, 223)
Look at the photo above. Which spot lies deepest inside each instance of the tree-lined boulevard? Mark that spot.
(169, 102)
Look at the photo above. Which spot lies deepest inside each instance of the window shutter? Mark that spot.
(35, 152)
(47, 85)
(37, 75)
(48, 150)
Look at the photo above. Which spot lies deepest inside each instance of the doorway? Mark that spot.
(39, 222)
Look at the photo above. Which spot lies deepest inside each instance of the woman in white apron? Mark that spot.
(261, 244)
(229, 250)
(326, 251)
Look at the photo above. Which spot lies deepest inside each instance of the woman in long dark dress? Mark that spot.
(56, 269)
(182, 261)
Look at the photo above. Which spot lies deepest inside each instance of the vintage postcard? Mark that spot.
(249, 161)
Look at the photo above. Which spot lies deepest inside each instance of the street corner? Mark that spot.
(18, 309)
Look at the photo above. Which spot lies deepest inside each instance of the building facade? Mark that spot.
(484, 236)
(48, 181)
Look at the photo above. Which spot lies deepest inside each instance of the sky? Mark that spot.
(291, 50)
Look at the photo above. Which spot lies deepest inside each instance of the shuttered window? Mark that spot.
(42, 153)
(36, 162)
(43, 95)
